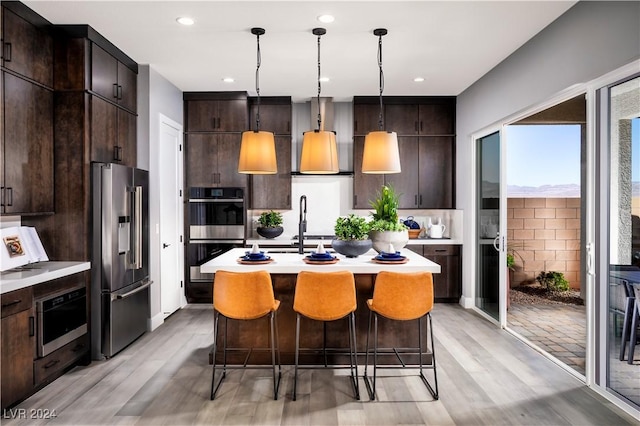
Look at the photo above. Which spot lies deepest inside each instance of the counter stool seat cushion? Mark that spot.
(325, 296)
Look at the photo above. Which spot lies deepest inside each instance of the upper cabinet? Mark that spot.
(426, 141)
(215, 111)
(273, 191)
(26, 128)
(112, 79)
(27, 45)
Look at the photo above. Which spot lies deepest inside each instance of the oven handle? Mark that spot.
(132, 292)
(216, 200)
(240, 242)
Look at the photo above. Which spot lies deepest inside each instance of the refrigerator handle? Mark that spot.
(137, 228)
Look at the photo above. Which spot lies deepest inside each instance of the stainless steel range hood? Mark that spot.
(337, 116)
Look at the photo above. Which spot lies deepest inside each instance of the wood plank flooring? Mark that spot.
(485, 376)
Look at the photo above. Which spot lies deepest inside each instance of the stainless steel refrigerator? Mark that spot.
(120, 257)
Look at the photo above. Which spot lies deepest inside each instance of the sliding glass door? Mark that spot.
(488, 214)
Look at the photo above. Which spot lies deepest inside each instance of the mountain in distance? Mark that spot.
(545, 191)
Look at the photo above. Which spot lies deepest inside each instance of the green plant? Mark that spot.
(351, 227)
(270, 219)
(511, 261)
(553, 281)
(385, 216)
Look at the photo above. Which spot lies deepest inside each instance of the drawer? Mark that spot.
(16, 301)
(55, 362)
(441, 250)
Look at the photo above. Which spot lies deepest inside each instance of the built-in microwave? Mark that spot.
(61, 318)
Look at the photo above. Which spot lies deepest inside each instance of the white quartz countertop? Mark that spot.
(37, 273)
(288, 241)
(292, 263)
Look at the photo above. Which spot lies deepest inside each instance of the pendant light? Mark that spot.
(258, 148)
(319, 151)
(381, 154)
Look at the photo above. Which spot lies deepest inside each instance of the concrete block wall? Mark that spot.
(544, 234)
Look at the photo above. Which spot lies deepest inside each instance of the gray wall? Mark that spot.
(588, 41)
(156, 95)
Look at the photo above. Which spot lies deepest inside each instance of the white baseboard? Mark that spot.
(466, 302)
(155, 322)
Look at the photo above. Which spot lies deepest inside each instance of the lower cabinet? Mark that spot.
(18, 345)
(448, 283)
(50, 366)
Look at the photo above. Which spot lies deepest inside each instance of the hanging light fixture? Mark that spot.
(381, 154)
(258, 148)
(319, 151)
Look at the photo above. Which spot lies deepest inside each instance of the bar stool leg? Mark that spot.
(295, 373)
(273, 332)
(353, 355)
(214, 387)
(433, 392)
(365, 376)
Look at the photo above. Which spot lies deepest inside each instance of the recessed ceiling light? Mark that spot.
(326, 19)
(418, 79)
(184, 20)
(228, 79)
(324, 79)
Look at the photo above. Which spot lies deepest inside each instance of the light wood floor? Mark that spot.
(486, 376)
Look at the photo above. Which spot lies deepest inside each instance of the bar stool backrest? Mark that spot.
(402, 295)
(325, 296)
(243, 295)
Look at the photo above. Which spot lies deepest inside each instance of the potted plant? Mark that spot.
(270, 224)
(352, 236)
(385, 228)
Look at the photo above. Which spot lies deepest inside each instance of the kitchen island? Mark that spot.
(284, 270)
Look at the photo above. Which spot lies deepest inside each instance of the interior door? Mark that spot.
(171, 218)
(489, 242)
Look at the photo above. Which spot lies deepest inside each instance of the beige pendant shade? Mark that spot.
(257, 153)
(319, 153)
(381, 155)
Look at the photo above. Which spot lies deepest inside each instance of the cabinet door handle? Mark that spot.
(421, 125)
(415, 125)
(440, 250)
(219, 122)
(119, 92)
(51, 363)
(7, 52)
(32, 326)
(415, 200)
(2, 196)
(115, 90)
(10, 197)
(13, 302)
(420, 199)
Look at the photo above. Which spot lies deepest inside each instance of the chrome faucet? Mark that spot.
(302, 224)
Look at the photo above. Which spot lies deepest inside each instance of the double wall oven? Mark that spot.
(216, 220)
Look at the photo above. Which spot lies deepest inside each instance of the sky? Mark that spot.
(543, 155)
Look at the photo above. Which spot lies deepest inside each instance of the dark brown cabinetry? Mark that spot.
(448, 283)
(18, 345)
(27, 150)
(426, 140)
(213, 134)
(112, 79)
(113, 133)
(273, 191)
(26, 94)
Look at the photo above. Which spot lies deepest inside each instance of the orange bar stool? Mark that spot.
(244, 296)
(401, 296)
(327, 296)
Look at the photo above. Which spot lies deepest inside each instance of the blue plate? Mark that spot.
(390, 255)
(259, 255)
(324, 255)
(397, 258)
(255, 259)
(321, 258)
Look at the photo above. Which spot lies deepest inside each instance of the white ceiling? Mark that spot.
(450, 44)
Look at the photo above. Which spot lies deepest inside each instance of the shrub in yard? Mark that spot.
(553, 281)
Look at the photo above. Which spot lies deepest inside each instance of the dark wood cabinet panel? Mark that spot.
(104, 73)
(126, 149)
(273, 118)
(406, 184)
(437, 118)
(402, 119)
(128, 82)
(212, 160)
(447, 284)
(437, 173)
(54, 364)
(27, 151)
(365, 186)
(216, 115)
(274, 191)
(27, 49)
(365, 118)
(104, 129)
(18, 345)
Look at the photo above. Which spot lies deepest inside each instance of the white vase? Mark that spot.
(382, 239)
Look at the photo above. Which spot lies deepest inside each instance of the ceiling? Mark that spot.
(450, 44)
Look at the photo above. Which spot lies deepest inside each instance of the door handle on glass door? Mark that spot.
(496, 242)
(165, 245)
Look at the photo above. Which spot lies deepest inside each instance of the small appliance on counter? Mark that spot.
(120, 257)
